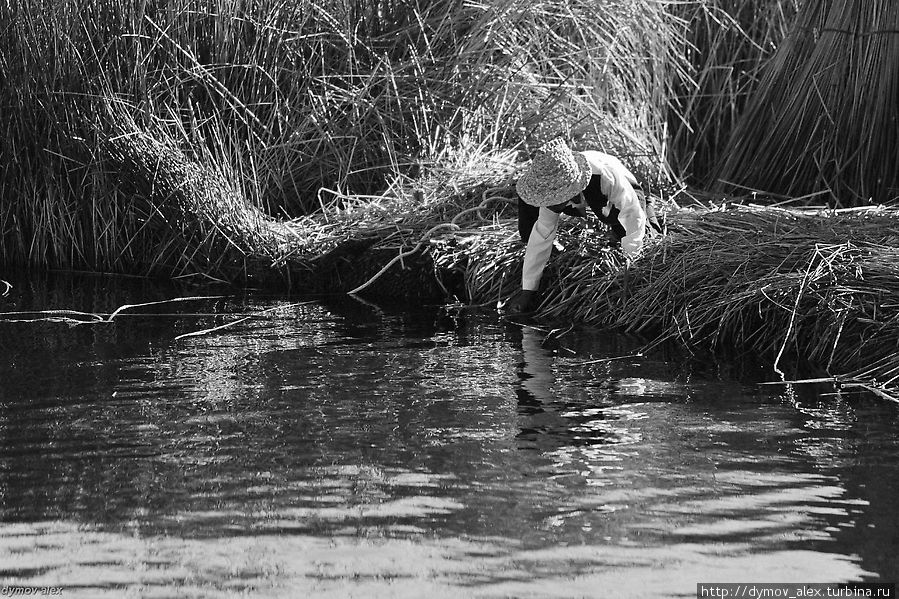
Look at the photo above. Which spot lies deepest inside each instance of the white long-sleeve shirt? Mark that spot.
(616, 184)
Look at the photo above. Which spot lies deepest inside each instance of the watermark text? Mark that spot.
(721, 590)
(28, 591)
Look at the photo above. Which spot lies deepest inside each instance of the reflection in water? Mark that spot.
(340, 449)
(546, 419)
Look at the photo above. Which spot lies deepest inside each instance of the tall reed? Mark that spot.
(298, 106)
(728, 45)
(824, 118)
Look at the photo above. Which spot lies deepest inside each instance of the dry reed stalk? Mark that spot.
(75, 317)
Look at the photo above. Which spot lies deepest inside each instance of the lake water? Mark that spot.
(344, 449)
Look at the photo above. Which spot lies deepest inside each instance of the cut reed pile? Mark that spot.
(810, 286)
(824, 116)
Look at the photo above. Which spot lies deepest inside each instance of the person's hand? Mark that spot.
(522, 302)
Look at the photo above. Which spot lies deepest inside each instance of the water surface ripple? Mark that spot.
(344, 449)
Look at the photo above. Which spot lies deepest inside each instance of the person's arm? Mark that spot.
(617, 187)
(540, 245)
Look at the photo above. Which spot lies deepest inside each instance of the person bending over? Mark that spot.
(561, 180)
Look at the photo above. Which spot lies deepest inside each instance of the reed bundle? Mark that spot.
(198, 221)
(728, 45)
(824, 116)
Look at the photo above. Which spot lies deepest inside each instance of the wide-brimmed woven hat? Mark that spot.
(556, 174)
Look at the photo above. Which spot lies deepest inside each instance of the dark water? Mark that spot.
(343, 449)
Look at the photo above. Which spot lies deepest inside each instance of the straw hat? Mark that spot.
(556, 174)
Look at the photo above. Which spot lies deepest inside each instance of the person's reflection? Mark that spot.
(547, 417)
(540, 420)
(535, 372)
